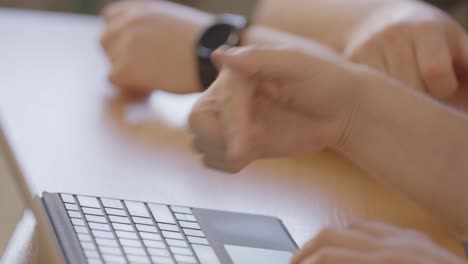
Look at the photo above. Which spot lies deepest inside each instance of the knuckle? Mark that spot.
(355, 55)
(433, 71)
(326, 235)
(360, 51)
(426, 26)
(325, 255)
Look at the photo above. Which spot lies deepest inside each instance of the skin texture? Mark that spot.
(151, 44)
(272, 101)
(414, 43)
(370, 242)
(370, 118)
(406, 39)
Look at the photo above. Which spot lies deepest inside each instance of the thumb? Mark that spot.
(236, 97)
(265, 62)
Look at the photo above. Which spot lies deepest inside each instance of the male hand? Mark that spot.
(271, 102)
(414, 43)
(373, 243)
(151, 45)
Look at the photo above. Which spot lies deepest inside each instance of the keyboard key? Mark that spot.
(112, 203)
(161, 213)
(119, 219)
(124, 234)
(110, 250)
(193, 232)
(88, 245)
(74, 214)
(205, 254)
(146, 228)
(191, 225)
(197, 240)
(159, 252)
(138, 259)
(161, 260)
(92, 211)
(141, 220)
(154, 244)
(98, 226)
(85, 238)
(130, 242)
(180, 217)
(176, 243)
(150, 236)
(181, 251)
(112, 211)
(88, 201)
(168, 227)
(92, 254)
(137, 209)
(134, 251)
(81, 229)
(77, 222)
(67, 198)
(102, 234)
(96, 219)
(190, 218)
(180, 209)
(185, 259)
(106, 242)
(114, 259)
(71, 207)
(95, 261)
(122, 227)
(175, 235)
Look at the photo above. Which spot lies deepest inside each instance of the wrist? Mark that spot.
(195, 26)
(354, 113)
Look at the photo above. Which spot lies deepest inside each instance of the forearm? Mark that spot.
(413, 143)
(327, 21)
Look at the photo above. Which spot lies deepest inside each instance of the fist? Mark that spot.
(272, 102)
(151, 45)
(414, 43)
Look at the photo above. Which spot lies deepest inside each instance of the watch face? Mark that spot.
(217, 36)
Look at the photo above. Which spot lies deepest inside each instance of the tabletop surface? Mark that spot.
(72, 133)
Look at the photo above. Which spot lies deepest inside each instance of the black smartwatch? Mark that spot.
(226, 30)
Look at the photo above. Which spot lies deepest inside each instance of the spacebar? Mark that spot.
(205, 254)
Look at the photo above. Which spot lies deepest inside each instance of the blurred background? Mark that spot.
(244, 7)
(457, 8)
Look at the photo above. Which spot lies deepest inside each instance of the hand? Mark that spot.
(414, 43)
(376, 243)
(151, 45)
(271, 102)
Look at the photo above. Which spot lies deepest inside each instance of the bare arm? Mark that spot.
(327, 21)
(415, 144)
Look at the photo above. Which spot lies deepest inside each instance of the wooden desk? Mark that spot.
(72, 134)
